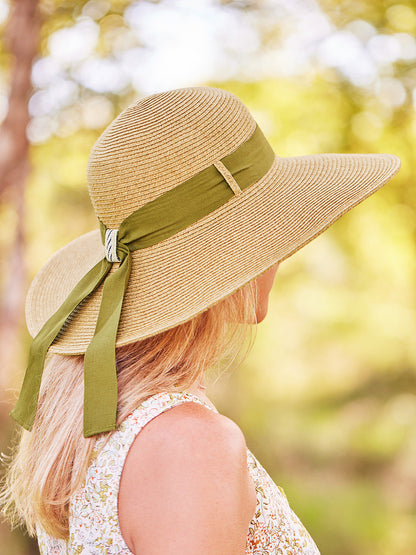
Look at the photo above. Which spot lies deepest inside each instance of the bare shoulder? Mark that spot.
(185, 482)
(192, 422)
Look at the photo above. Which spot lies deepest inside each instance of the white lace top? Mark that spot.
(93, 521)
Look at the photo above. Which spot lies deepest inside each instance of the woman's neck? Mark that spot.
(199, 389)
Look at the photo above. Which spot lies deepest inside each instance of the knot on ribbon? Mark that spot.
(100, 370)
(110, 244)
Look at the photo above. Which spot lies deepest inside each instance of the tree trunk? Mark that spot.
(22, 37)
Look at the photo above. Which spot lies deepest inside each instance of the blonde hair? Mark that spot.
(47, 465)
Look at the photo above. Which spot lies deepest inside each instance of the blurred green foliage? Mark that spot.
(327, 396)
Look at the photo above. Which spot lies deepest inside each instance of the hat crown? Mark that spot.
(159, 142)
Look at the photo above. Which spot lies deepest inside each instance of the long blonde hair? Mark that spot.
(47, 465)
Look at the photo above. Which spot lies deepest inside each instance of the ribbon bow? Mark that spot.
(157, 220)
(100, 380)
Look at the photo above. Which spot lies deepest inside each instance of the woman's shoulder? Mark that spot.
(185, 455)
(194, 422)
(180, 433)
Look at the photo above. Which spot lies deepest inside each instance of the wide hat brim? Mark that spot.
(180, 277)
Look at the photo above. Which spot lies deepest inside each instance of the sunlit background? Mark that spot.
(326, 398)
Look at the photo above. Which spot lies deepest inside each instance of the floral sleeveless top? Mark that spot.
(93, 515)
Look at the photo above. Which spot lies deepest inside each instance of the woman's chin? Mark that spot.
(261, 317)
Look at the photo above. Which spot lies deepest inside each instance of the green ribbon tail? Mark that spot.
(100, 371)
(25, 409)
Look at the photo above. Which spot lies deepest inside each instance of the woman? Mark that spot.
(126, 453)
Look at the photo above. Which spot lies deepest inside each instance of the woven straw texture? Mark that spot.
(153, 146)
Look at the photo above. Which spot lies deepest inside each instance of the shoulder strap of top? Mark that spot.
(155, 405)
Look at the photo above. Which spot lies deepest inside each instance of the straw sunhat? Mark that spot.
(169, 140)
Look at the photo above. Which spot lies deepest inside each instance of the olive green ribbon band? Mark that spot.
(155, 221)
